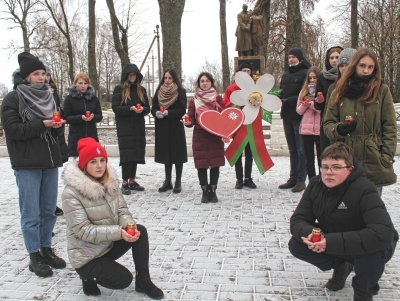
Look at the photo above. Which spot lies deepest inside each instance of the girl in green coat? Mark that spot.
(361, 113)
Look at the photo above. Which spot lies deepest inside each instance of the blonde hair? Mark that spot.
(104, 178)
(83, 76)
(304, 89)
(126, 91)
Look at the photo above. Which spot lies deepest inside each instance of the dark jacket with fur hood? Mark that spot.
(75, 105)
(352, 216)
(95, 214)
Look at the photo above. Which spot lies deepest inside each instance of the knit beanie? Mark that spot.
(297, 52)
(244, 65)
(48, 69)
(28, 63)
(88, 148)
(345, 56)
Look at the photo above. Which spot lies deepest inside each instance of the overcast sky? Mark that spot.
(200, 34)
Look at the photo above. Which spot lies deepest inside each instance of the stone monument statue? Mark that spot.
(257, 31)
(243, 33)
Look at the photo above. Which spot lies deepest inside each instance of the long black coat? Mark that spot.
(76, 105)
(130, 125)
(291, 84)
(27, 150)
(352, 216)
(170, 139)
(61, 137)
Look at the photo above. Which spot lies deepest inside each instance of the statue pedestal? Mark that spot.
(257, 62)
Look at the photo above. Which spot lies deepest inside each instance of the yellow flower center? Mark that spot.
(255, 99)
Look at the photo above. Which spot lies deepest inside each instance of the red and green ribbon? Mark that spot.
(252, 134)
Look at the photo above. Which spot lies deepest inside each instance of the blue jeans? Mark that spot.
(37, 203)
(296, 150)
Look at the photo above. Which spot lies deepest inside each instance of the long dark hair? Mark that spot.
(181, 90)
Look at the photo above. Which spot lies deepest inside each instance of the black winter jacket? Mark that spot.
(130, 125)
(170, 139)
(351, 215)
(76, 105)
(27, 150)
(291, 84)
(61, 137)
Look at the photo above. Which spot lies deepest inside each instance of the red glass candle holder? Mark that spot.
(131, 229)
(187, 119)
(316, 235)
(162, 109)
(56, 116)
(306, 99)
(138, 106)
(348, 119)
(87, 114)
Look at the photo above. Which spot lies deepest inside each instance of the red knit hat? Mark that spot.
(88, 148)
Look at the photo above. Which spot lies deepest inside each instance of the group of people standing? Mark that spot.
(346, 112)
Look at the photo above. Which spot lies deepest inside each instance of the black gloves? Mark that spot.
(344, 129)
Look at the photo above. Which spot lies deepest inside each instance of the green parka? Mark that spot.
(375, 139)
(95, 214)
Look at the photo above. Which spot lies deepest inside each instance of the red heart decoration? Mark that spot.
(223, 124)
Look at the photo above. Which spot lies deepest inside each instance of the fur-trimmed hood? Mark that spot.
(90, 93)
(78, 181)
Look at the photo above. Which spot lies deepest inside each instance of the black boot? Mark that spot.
(239, 184)
(51, 258)
(340, 274)
(212, 194)
(39, 266)
(167, 185)
(143, 284)
(135, 186)
(177, 187)
(360, 296)
(205, 198)
(125, 188)
(90, 288)
(248, 182)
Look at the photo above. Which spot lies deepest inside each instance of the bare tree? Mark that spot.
(57, 10)
(224, 45)
(293, 23)
(20, 12)
(92, 46)
(171, 18)
(354, 23)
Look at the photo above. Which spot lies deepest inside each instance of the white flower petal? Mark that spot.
(250, 113)
(239, 98)
(271, 102)
(245, 82)
(265, 83)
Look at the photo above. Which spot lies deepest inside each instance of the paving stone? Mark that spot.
(233, 250)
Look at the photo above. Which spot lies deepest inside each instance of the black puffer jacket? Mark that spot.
(351, 215)
(27, 150)
(130, 125)
(75, 105)
(291, 84)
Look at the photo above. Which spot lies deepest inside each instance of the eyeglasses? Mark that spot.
(333, 168)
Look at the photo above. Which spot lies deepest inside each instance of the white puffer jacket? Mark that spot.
(95, 214)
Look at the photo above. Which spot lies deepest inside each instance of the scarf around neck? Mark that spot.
(357, 86)
(167, 95)
(36, 102)
(330, 74)
(205, 101)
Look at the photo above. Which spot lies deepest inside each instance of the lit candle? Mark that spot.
(306, 99)
(130, 228)
(87, 114)
(56, 116)
(348, 119)
(162, 109)
(138, 106)
(187, 119)
(316, 235)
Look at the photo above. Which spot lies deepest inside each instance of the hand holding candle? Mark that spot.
(131, 229)
(56, 117)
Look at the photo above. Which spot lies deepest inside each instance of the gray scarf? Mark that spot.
(330, 74)
(36, 102)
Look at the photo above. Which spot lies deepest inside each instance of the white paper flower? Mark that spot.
(253, 95)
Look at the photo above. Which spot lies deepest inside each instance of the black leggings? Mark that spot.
(308, 143)
(128, 170)
(248, 164)
(111, 274)
(202, 174)
(178, 171)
